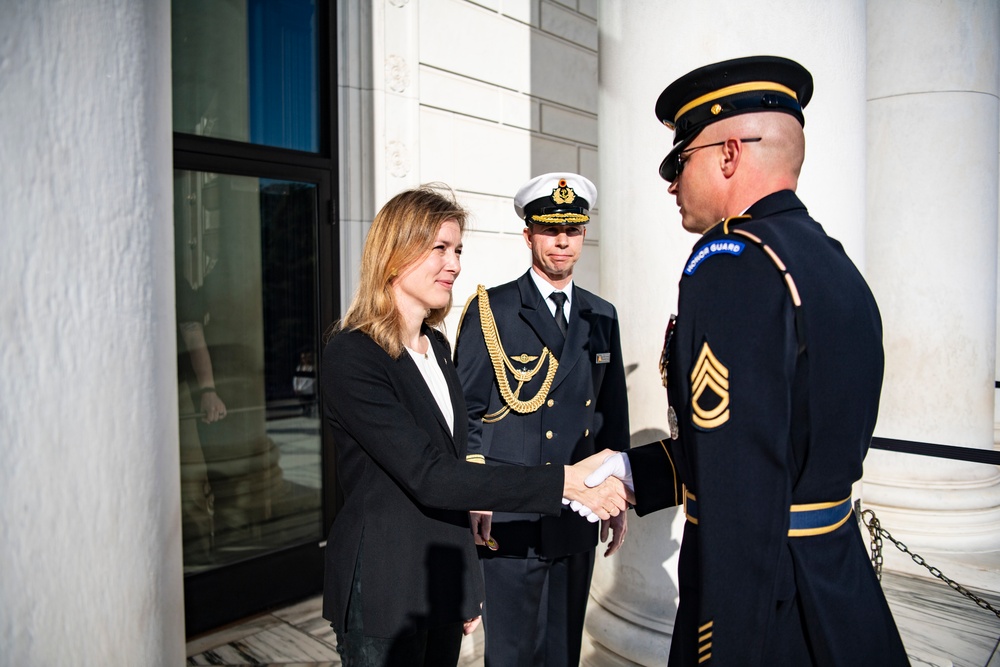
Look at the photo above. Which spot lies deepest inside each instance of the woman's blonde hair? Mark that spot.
(402, 233)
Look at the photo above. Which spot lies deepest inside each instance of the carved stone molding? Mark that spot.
(397, 74)
(397, 159)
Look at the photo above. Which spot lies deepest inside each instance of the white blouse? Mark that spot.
(434, 377)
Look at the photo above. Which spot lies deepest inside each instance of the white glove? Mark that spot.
(616, 465)
(581, 509)
(584, 511)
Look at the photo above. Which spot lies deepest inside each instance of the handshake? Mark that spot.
(600, 486)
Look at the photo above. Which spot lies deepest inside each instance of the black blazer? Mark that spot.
(407, 489)
(586, 409)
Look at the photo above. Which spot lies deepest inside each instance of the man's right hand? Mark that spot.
(616, 465)
(481, 523)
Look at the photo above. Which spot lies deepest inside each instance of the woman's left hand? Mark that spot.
(470, 626)
(603, 501)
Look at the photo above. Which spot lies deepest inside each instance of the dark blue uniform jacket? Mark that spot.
(776, 407)
(586, 409)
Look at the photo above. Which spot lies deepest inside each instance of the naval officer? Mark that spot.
(541, 368)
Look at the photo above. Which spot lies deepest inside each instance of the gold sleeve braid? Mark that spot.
(501, 364)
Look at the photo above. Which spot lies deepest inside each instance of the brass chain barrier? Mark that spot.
(868, 519)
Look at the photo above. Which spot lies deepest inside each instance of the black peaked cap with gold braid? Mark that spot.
(726, 89)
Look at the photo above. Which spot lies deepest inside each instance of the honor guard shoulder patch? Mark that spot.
(709, 391)
(726, 246)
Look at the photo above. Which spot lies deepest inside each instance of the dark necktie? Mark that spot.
(559, 299)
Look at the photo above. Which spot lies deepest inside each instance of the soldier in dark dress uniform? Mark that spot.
(773, 370)
(542, 373)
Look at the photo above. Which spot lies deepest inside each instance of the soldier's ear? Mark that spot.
(732, 151)
(527, 235)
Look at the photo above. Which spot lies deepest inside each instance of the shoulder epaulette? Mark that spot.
(793, 291)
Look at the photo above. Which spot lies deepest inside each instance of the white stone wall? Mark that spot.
(90, 531)
(934, 72)
(481, 96)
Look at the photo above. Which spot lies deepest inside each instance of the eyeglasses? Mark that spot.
(685, 154)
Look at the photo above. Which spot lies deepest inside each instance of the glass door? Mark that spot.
(256, 266)
(247, 348)
(248, 331)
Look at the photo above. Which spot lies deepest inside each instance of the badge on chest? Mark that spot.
(668, 337)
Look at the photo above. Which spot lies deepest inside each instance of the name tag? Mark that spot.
(603, 358)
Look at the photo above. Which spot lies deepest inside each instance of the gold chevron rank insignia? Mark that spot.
(709, 391)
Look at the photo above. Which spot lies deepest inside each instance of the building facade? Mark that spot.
(902, 166)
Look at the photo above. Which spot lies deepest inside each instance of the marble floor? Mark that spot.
(294, 636)
(940, 628)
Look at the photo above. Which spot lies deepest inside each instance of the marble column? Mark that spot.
(356, 95)
(90, 529)
(932, 244)
(644, 45)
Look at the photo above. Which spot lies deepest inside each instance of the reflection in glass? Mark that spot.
(247, 336)
(246, 70)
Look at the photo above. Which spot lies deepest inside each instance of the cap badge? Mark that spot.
(563, 194)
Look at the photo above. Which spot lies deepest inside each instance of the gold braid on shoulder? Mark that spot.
(501, 362)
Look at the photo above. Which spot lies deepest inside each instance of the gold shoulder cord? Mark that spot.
(500, 361)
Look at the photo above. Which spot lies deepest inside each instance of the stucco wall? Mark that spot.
(481, 96)
(90, 564)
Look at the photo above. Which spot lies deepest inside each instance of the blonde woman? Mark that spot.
(402, 578)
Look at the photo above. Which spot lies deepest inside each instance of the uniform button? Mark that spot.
(586, 432)
(548, 463)
(587, 404)
(550, 403)
(548, 435)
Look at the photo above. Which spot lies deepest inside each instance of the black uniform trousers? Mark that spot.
(527, 595)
